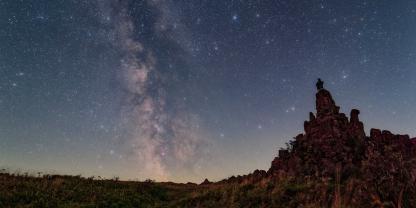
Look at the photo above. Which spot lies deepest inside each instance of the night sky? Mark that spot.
(186, 90)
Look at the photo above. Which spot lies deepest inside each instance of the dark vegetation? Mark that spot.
(74, 191)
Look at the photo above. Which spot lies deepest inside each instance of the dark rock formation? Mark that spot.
(331, 139)
(334, 146)
(327, 140)
(206, 182)
(325, 105)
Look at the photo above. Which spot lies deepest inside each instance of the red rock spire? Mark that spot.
(328, 134)
(325, 105)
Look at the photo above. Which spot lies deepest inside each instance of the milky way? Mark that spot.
(161, 139)
(187, 90)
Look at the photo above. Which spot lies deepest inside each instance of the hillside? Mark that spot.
(332, 164)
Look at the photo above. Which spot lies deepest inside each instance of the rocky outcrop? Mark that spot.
(332, 140)
(334, 149)
(206, 182)
(254, 177)
(326, 141)
(325, 105)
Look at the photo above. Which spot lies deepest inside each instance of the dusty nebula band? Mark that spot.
(159, 138)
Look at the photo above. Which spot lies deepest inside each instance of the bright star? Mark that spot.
(235, 17)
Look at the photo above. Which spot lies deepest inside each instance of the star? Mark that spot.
(235, 17)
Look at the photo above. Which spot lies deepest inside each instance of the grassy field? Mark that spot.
(76, 191)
